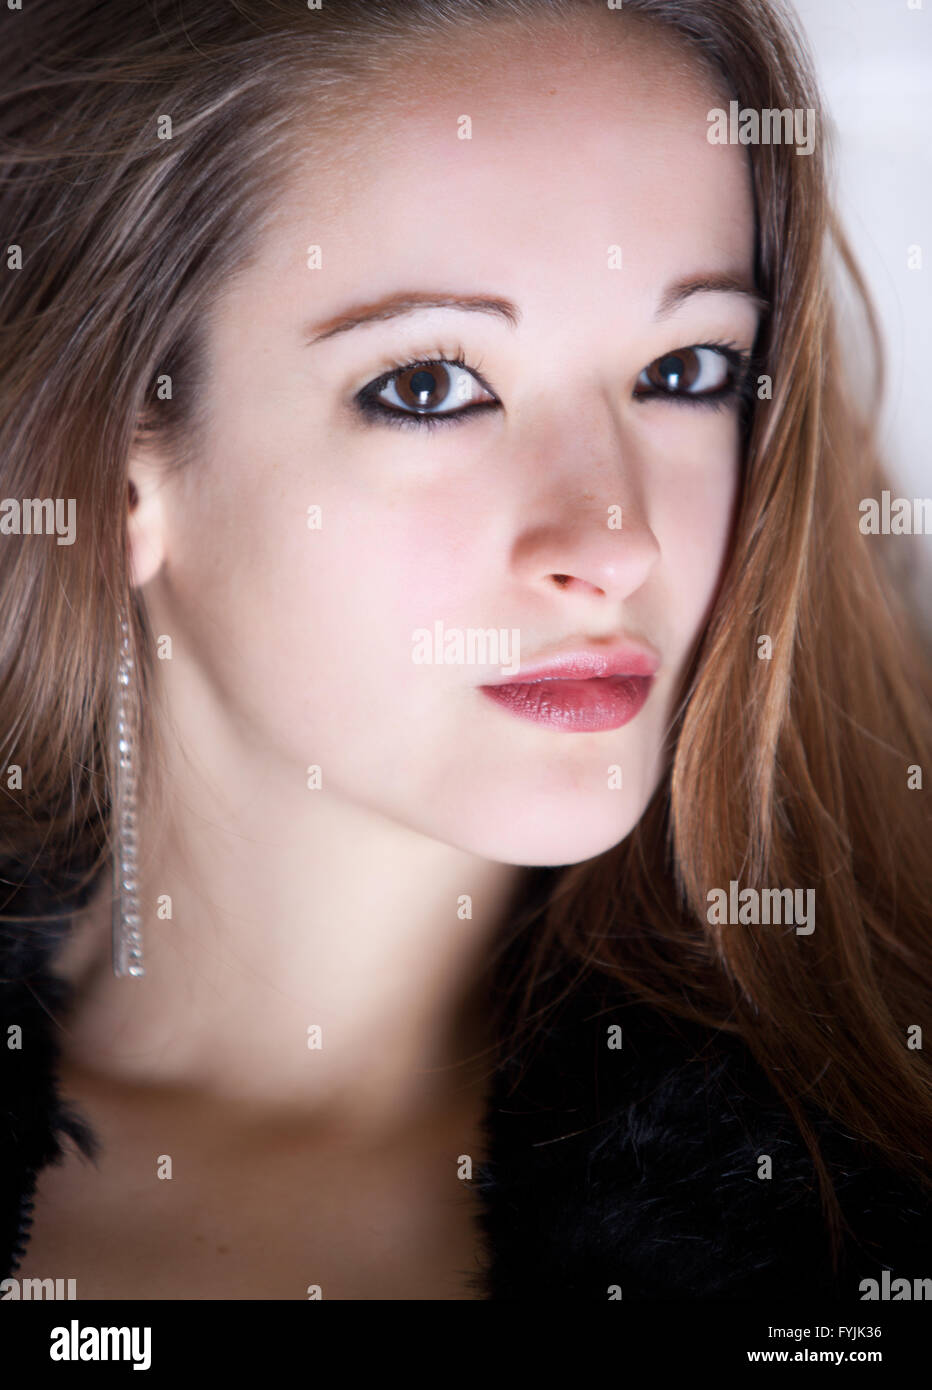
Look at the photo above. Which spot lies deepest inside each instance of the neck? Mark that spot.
(318, 959)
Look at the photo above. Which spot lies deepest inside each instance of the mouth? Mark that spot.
(576, 706)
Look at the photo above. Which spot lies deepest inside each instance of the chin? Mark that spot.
(534, 840)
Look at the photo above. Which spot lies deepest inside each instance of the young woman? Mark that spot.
(433, 585)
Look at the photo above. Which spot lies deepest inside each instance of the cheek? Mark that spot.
(327, 616)
(692, 515)
(271, 597)
(409, 539)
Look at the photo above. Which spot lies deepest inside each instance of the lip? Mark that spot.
(580, 691)
(627, 660)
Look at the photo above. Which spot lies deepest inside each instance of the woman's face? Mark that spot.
(586, 196)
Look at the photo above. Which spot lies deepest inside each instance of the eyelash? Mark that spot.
(740, 389)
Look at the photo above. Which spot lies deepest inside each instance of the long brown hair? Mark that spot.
(789, 772)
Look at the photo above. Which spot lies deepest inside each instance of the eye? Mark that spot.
(426, 391)
(441, 390)
(705, 373)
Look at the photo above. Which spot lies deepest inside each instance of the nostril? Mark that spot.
(561, 579)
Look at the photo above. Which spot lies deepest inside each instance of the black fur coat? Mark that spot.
(631, 1171)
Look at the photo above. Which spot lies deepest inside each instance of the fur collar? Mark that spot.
(636, 1171)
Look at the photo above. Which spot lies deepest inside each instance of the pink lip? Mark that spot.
(580, 692)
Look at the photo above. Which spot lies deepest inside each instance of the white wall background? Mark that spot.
(874, 62)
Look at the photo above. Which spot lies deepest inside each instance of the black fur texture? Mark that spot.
(634, 1172)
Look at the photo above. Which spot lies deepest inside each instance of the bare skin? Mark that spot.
(255, 1209)
(259, 1203)
(339, 908)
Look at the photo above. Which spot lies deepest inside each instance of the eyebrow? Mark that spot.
(717, 283)
(413, 302)
(396, 305)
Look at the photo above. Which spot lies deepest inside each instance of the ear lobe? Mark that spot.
(145, 521)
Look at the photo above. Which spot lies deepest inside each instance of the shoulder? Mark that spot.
(630, 1149)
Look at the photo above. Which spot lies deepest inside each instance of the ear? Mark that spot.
(146, 517)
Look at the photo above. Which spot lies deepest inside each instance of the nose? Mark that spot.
(584, 478)
(590, 547)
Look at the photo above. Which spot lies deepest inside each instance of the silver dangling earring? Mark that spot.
(126, 921)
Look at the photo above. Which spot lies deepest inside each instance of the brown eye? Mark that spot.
(434, 389)
(423, 388)
(688, 371)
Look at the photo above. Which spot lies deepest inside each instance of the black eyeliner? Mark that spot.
(366, 403)
(740, 388)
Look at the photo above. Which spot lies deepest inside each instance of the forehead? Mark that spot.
(517, 162)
